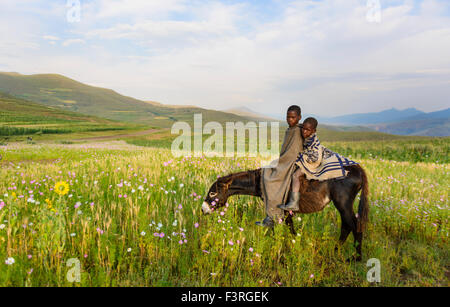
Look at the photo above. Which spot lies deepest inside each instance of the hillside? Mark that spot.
(22, 117)
(65, 93)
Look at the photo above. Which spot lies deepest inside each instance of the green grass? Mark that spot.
(408, 228)
(356, 145)
(20, 117)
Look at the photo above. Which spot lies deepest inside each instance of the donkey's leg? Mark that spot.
(345, 230)
(346, 226)
(288, 220)
(344, 204)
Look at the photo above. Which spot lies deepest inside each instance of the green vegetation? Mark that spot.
(355, 145)
(132, 217)
(61, 92)
(25, 118)
(414, 150)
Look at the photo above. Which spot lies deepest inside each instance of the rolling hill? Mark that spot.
(64, 93)
(22, 117)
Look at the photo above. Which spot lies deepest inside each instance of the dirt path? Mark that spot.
(110, 137)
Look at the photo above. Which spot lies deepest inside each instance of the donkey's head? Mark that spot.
(217, 195)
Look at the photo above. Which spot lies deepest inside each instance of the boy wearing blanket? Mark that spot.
(316, 162)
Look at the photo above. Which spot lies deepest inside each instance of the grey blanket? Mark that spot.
(276, 179)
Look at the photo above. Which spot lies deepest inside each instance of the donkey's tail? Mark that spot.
(363, 209)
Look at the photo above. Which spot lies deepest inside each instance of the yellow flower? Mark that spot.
(49, 203)
(14, 195)
(62, 188)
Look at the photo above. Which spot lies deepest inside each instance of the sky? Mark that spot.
(329, 57)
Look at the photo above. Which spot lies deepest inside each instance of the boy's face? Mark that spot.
(308, 130)
(293, 118)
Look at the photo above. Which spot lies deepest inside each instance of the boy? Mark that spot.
(276, 181)
(316, 162)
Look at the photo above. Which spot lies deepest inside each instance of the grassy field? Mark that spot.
(22, 118)
(132, 217)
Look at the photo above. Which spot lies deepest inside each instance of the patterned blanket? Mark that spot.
(319, 163)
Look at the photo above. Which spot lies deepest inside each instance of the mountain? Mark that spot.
(244, 111)
(59, 91)
(400, 122)
(391, 115)
(426, 124)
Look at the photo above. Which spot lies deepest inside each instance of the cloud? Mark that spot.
(73, 41)
(50, 38)
(324, 55)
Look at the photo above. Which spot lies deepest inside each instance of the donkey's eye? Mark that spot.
(212, 194)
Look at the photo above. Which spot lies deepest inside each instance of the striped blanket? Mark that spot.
(319, 163)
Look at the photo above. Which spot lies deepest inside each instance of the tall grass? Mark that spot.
(118, 196)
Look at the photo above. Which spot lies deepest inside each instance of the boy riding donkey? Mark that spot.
(301, 154)
(316, 162)
(276, 180)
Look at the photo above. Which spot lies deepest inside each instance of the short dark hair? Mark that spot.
(296, 109)
(312, 121)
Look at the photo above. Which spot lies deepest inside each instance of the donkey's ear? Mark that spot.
(225, 183)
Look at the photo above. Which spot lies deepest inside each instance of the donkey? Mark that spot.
(315, 195)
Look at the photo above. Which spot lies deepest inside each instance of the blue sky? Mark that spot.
(330, 57)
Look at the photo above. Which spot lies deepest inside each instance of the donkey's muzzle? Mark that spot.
(205, 208)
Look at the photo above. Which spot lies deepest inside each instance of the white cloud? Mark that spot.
(50, 38)
(324, 56)
(73, 41)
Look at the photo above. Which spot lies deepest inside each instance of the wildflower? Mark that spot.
(161, 235)
(129, 250)
(311, 276)
(61, 188)
(196, 225)
(231, 242)
(250, 249)
(10, 261)
(78, 204)
(30, 256)
(143, 233)
(180, 242)
(160, 225)
(2, 204)
(2, 226)
(73, 234)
